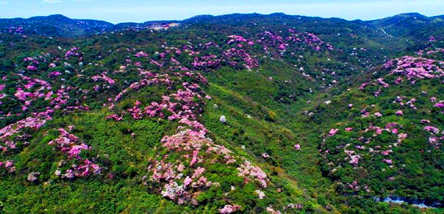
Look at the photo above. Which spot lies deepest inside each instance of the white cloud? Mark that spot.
(52, 1)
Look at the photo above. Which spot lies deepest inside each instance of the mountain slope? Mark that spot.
(236, 113)
(413, 26)
(384, 137)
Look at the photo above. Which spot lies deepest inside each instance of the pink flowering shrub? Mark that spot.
(15, 135)
(103, 77)
(383, 141)
(416, 68)
(73, 52)
(292, 39)
(227, 209)
(332, 132)
(359, 150)
(7, 166)
(407, 69)
(185, 177)
(141, 54)
(439, 105)
(255, 173)
(71, 146)
(435, 136)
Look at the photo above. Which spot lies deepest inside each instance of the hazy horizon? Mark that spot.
(140, 11)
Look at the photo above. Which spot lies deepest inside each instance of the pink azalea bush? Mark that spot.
(8, 166)
(9, 133)
(71, 146)
(183, 180)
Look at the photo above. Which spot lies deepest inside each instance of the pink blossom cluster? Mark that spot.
(430, 51)
(42, 89)
(33, 122)
(332, 132)
(436, 141)
(10, 133)
(32, 60)
(150, 79)
(431, 129)
(31, 68)
(247, 170)
(158, 64)
(114, 117)
(54, 74)
(244, 56)
(354, 185)
(75, 51)
(236, 38)
(8, 166)
(353, 157)
(70, 145)
(363, 85)
(141, 54)
(440, 104)
(60, 98)
(435, 51)
(16, 30)
(271, 210)
(390, 128)
(103, 77)
(416, 67)
(210, 61)
(193, 142)
(314, 41)
(84, 168)
(184, 179)
(270, 39)
(184, 105)
(381, 82)
(409, 67)
(195, 150)
(227, 209)
(410, 103)
(180, 106)
(239, 51)
(294, 206)
(436, 137)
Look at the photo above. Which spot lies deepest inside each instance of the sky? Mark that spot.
(117, 11)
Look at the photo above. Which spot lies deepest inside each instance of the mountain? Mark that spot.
(59, 25)
(410, 25)
(240, 113)
(56, 25)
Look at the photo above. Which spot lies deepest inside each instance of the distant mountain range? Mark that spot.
(59, 25)
(407, 24)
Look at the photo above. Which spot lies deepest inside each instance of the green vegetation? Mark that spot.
(238, 113)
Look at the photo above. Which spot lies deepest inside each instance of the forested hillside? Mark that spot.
(241, 113)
